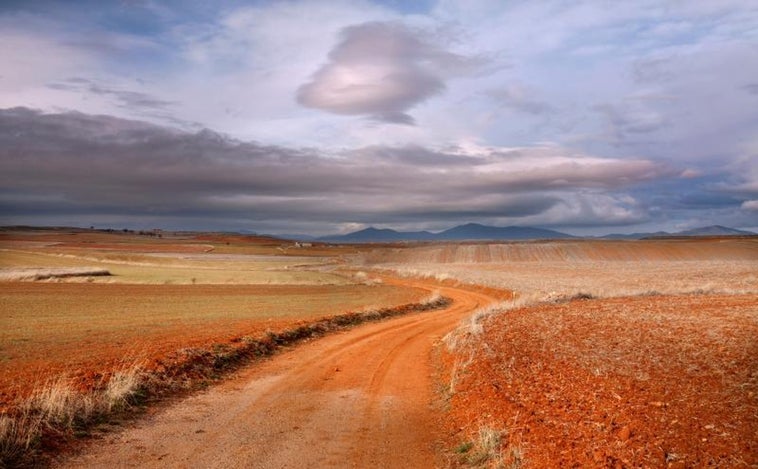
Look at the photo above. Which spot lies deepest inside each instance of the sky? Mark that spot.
(321, 117)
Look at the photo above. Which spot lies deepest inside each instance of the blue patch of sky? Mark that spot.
(407, 7)
(677, 194)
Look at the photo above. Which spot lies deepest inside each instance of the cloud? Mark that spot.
(99, 166)
(380, 70)
(631, 117)
(125, 98)
(520, 98)
(588, 209)
(750, 205)
(23, 66)
(138, 103)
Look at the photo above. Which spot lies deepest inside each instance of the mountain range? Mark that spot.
(713, 230)
(468, 232)
(477, 232)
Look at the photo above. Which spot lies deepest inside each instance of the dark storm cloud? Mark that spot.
(380, 70)
(78, 164)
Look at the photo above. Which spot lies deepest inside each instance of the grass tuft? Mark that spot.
(57, 407)
(123, 386)
(17, 436)
(489, 449)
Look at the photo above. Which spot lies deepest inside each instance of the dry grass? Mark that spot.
(17, 435)
(433, 297)
(363, 278)
(490, 449)
(59, 403)
(471, 327)
(58, 406)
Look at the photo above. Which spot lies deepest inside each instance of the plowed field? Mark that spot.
(666, 381)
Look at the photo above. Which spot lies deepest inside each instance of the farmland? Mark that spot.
(570, 353)
(159, 296)
(54, 329)
(612, 354)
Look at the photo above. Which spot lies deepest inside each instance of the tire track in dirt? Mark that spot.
(360, 398)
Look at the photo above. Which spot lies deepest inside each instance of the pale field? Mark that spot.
(600, 279)
(150, 268)
(599, 268)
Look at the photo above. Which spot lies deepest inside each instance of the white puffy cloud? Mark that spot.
(381, 70)
(587, 209)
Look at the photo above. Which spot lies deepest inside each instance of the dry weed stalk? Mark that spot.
(491, 449)
(17, 435)
(57, 406)
(464, 340)
(433, 298)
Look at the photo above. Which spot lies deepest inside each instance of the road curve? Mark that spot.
(359, 398)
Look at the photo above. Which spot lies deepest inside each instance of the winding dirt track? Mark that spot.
(360, 398)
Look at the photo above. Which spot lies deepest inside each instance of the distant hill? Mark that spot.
(294, 237)
(475, 231)
(635, 235)
(468, 232)
(378, 235)
(714, 230)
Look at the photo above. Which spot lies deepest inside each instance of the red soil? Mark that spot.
(629, 382)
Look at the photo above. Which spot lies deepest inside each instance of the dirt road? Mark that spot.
(360, 398)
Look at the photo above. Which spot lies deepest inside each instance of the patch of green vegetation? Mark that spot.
(464, 447)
